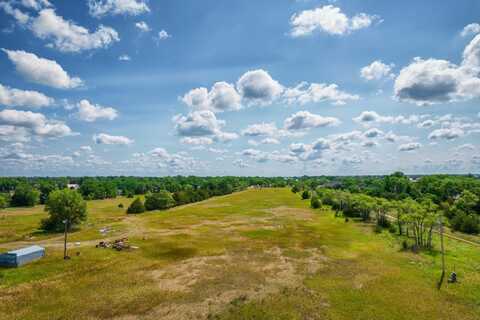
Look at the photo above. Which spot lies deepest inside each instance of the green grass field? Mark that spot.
(257, 254)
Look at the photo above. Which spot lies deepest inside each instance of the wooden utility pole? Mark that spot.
(65, 257)
(443, 254)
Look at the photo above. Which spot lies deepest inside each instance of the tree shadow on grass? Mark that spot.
(169, 251)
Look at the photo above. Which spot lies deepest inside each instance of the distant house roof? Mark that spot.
(26, 251)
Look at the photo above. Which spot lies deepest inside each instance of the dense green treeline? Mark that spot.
(455, 197)
(407, 217)
(24, 192)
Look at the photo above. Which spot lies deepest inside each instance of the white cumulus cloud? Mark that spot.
(258, 87)
(12, 97)
(41, 70)
(446, 133)
(260, 129)
(124, 57)
(68, 36)
(470, 29)
(202, 123)
(376, 70)
(373, 133)
(32, 124)
(91, 112)
(197, 140)
(317, 92)
(100, 8)
(163, 35)
(21, 17)
(306, 120)
(221, 97)
(369, 117)
(142, 26)
(36, 4)
(104, 138)
(430, 81)
(411, 146)
(329, 19)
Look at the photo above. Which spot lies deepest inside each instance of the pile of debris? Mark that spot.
(119, 244)
(105, 230)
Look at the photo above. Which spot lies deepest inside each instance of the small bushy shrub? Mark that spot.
(159, 201)
(468, 223)
(137, 206)
(392, 229)
(25, 196)
(305, 195)
(3, 201)
(315, 203)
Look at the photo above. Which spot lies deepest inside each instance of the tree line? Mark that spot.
(24, 192)
(457, 198)
(416, 203)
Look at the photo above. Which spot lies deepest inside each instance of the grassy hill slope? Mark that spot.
(257, 254)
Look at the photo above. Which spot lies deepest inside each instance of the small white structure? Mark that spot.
(73, 186)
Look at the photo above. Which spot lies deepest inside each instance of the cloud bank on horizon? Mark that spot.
(136, 87)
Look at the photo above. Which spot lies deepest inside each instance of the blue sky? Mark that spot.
(134, 87)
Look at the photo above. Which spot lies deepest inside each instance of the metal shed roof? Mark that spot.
(25, 251)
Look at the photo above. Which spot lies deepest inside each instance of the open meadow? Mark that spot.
(256, 254)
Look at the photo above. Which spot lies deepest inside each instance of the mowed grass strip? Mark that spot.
(257, 254)
(22, 224)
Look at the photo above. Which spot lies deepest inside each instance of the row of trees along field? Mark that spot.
(110, 187)
(160, 193)
(455, 197)
(416, 204)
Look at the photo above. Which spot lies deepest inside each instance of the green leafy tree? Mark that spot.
(25, 196)
(45, 188)
(398, 210)
(467, 202)
(295, 189)
(305, 195)
(467, 223)
(315, 203)
(64, 205)
(3, 202)
(421, 218)
(159, 201)
(137, 206)
(397, 186)
(464, 216)
(382, 208)
(98, 189)
(365, 205)
(183, 197)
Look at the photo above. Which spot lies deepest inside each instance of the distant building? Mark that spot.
(22, 256)
(73, 186)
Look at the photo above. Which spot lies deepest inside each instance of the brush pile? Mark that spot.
(119, 244)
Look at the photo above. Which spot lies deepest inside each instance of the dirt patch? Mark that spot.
(182, 276)
(282, 212)
(360, 280)
(212, 283)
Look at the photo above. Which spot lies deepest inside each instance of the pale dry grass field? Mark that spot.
(257, 254)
